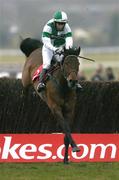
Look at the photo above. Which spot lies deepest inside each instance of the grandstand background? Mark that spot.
(95, 26)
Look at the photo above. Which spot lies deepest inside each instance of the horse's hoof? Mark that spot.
(75, 149)
(66, 162)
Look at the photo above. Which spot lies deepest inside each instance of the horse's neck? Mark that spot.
(57, 73)
(59, 77)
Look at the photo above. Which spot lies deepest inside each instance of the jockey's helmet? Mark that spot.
(60, 16)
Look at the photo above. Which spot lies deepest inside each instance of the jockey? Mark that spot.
(56, 27)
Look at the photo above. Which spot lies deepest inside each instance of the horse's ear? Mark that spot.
(65, 51)
(79, 50)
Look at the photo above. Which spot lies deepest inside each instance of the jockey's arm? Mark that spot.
(69, 38)
(46, 37)
(69, 42)
(47, 42)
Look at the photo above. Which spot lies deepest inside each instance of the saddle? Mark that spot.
(54, 66)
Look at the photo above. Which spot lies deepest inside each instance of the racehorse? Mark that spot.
(60, 92)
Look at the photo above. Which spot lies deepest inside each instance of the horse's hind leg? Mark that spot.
(66, 142)
(26, 79)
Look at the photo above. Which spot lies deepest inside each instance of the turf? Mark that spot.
(59, 171)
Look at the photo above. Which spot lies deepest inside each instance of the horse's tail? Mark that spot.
(28, 45)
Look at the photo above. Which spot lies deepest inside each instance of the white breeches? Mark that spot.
(47, 57)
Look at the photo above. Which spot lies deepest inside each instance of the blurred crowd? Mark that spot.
(99, 74)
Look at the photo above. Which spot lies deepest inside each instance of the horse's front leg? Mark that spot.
(68, 113)
(64, 124)
(66, 143)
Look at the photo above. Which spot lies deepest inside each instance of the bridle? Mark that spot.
(63, 69)
(61, 66)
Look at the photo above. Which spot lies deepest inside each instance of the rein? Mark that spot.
(60, 66)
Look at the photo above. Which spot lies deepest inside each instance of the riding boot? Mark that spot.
(41, 85)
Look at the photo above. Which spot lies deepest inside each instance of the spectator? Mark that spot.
(81, 76)
(98, 75)
(118, 77)
(109, 74)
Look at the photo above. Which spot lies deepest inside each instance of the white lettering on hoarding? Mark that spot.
(59, 152)
(44, 151)
(27, 148)
(103, 150)
(84, 153)
(9, 150)
(47, 153)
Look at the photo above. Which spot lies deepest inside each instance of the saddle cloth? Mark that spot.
(54, 66)
(37, 72)
(50, 71)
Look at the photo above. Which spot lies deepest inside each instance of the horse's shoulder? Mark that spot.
(29, 62)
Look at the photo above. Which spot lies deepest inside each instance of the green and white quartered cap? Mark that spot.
(60, 16)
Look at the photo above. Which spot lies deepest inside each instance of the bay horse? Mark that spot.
(60, 92)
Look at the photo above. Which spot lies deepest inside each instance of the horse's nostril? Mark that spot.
(71, 83)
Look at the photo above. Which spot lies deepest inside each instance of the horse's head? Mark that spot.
(71, 66)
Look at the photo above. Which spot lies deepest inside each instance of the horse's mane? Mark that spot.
(28, 45)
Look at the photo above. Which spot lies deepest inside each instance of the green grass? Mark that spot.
(12, 59)
(59, 171)
(104, 57)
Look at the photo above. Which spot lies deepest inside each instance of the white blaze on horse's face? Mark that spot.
(72, 80)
